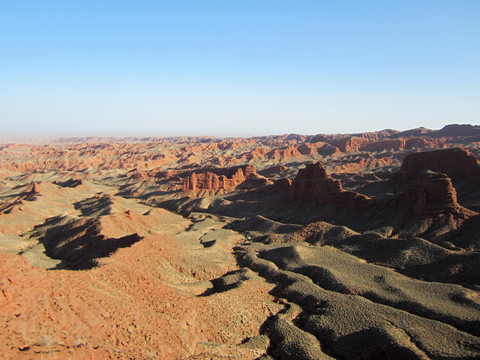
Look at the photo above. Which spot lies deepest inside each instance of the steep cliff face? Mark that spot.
(313, 183)
(307, 149)
(429, 176)
(360, 162)
(433, 195)
(321, 148)
(402, 143)
(349, 144)
(285, 153)
(34, 188)
(226, 179)
(456, 163)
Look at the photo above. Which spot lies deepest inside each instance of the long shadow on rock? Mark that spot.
(95, 206)
(79, 242)
(228, 281)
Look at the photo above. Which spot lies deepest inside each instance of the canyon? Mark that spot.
(325, 246)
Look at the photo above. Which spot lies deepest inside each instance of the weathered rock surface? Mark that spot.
(288, 247)
(456, 163)
(313, 183)
(433, 194)
(223, 179)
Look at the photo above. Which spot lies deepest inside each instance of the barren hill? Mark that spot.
(345, 246)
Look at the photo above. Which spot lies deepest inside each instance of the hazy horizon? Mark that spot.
(12, 137)
(236, 69)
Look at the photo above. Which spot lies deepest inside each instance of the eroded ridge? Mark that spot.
(358, 246)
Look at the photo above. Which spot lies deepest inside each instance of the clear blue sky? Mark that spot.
(225, 67)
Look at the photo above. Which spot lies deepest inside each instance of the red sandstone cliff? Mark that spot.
(227, 179)
(431, 174)
(433, 194)
(284, 153)
(456, 163)
(314, 183)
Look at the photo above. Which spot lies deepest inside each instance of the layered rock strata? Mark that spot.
(456, 163)
(313, 183)
(227, 179)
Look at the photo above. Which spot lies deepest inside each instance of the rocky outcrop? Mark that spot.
(423, 142)
(327, 149)
(227, 179)
(33, 188)
(354, 144)
(285, 153)
(255, 154)
(321, 148)
(456, 163)
(349, 144)
(359, 162)
(432, 195)
(389, 144)
(313, 183)
(307, 149)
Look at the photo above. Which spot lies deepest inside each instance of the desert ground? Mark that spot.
(345, 246)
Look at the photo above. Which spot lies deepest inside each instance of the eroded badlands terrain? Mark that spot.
(359, 246)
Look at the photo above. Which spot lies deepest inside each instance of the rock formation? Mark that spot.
(226, 179)
(354, 266)
(313, 183)
(288, 152)
(432, 195)
(349, 144)
(34, 188)
(456, 163)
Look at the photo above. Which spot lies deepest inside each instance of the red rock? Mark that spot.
(318, 148)
(307, 149)
(433, 194)
(256, 153)
(34, 188)
(423, 142)
(387, 144)
(313, 183)
(222, 179)
(360, 162)
(349, 144)
(377, 135)
(226, 145)
(288, 152)
(456, 163)
(327, 149)
(281, 140)
(401, 143)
